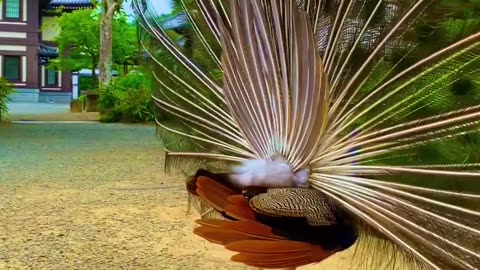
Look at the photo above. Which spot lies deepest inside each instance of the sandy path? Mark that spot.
(93, 196)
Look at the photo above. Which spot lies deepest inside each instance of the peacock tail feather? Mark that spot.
(378, 100)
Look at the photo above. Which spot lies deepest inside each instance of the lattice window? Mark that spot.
(12, 9)
(11, 68)
(51, 77)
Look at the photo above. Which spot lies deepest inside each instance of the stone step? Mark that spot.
(25, 95)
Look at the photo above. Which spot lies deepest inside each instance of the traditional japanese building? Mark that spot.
(26, 48)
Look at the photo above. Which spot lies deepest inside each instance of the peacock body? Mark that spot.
(323, 124)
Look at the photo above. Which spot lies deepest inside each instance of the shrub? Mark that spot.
(86, 83)
(5, 91)
(127, 99)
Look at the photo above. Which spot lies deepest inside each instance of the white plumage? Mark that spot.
(273, 172)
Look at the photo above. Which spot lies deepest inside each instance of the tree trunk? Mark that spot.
(109, 7)
(94, 73)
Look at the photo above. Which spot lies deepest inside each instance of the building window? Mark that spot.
(11, 68)
(51, 75)
(13, 9)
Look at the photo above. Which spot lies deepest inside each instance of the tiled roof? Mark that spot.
(47, 51)
(70, 4)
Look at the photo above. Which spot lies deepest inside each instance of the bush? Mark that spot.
(5, 91)
(127, 99)
(86, 83)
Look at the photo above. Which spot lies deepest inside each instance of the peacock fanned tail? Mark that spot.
(361, 114)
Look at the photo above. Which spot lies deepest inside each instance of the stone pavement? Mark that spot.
(45, 112)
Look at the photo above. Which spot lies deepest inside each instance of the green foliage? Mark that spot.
(125, 42)
(446, 86)
(127, 99)
(104, 4)
(86, 83)
(194, 48)
(79, 40)
(5, 91)
(169, 84)
(82, 99)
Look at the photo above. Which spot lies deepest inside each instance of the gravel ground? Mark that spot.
(94, 196)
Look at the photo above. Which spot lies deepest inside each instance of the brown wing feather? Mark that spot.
(223, 199)
(238, 200)
(219, 236)
(271, 261)
(252, 228)
(255, 242)
(258, 246)
(209, 183)
(239, 208)
(213, 192)
(277, 254)
(240, 213)
(212, 223)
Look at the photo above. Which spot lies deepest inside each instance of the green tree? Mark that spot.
(79, 40)
(5, 91)
(125, 41)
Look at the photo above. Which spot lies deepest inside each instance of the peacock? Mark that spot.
(308, 127)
